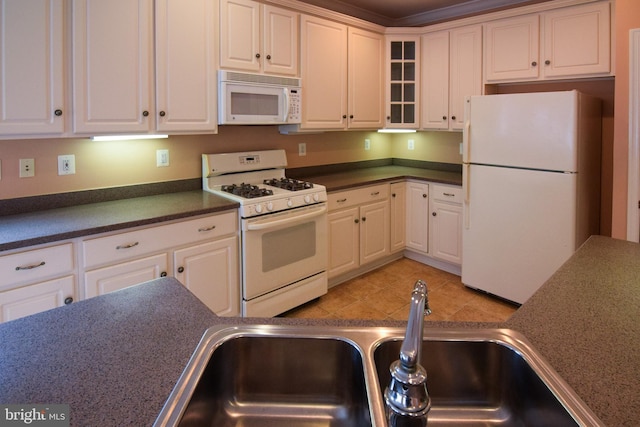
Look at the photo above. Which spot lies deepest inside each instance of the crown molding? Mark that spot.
(490, 16)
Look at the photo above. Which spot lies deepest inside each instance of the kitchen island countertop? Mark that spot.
(114, 359)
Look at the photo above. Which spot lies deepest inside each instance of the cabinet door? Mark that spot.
(435, 80)
(417, 216)
(112, 57)
(186, 89)
(374, 231)
(343, 241)
(576, 40)
(403, 88)
(446, 232)
(240, 34)
(398, 215)
(465, 61)
(280, 41)
(512, 49)
(211, 272)
(31, 67)
(323, 65)
(36, 298)
(366, 93)
(108, 279)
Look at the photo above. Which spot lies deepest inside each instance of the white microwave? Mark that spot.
(257, 99)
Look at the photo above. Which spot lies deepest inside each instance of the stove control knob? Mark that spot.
(316, 197)
(258, 208)
(307, 199)
(289, 202)
(269, 206)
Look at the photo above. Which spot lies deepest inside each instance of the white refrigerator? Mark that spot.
(531, 181)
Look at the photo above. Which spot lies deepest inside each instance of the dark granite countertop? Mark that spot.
(114, 359)
(374, 175)
(46, 226)
(586, 322)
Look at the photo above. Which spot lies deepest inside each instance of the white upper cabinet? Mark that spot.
(403, 84)
(577, 41)
(258, 38)
(323, 62)
(112, 65)
(186, 84)
(366, 79)
(564, 43)
(451, 70)
(32, 67)
(114, 86)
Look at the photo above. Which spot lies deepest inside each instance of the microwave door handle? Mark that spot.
(286, 220)
(287, 105)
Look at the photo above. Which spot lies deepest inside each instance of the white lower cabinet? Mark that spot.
(359, 228)
(417, 225)
(202, 253)
(445, 224)
(119, 276)
(210, 272)
(398, 213)
(36, 298)
(36, 280)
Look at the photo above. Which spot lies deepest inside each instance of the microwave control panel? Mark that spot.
(294, 106)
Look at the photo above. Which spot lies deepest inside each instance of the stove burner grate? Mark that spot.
(288, 184)
(248, 191)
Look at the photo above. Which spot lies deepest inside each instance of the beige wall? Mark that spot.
(627, 17)
(121, 163)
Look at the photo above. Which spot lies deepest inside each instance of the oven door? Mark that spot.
(282, 248)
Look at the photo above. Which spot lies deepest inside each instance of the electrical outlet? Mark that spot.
(302, 149)
(411, 144)
(27, 168)
(162, 158)
(67, 164)
(367, 144)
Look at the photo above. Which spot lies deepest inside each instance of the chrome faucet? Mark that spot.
(406, 398)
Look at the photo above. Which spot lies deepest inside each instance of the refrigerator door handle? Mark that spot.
(465, 186)
(466, 139)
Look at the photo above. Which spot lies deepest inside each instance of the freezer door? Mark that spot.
(519, 228)
(530, 130)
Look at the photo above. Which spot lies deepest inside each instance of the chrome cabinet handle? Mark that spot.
(203, 229)
(448, 194)
(29, 267)
(128, 246)
(341, 200)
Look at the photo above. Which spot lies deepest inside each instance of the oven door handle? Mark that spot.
(264, 224)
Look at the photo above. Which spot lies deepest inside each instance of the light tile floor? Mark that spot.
(384, 294)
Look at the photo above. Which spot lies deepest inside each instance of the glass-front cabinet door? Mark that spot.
(403, 86)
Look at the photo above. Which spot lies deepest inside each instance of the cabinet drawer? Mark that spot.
(132, 244)
(35, 265)
(446, 193)
(348, 198)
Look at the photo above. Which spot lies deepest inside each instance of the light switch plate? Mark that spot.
(302, 149)
(67, 164)
(162, 158)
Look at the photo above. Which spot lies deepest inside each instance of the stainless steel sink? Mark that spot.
(331, 376)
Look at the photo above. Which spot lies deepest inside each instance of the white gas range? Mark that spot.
(283, 229)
